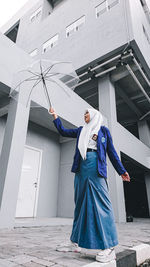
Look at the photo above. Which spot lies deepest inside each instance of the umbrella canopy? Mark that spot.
(40, 80)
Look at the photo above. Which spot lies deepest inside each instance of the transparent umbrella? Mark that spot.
(39, 81)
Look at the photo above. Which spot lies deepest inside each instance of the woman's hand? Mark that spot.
(52, 112)
(125, 177)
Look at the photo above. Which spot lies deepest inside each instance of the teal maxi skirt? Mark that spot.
(93, 226)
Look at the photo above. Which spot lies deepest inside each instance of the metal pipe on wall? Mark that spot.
(137, 82)
(140, 69)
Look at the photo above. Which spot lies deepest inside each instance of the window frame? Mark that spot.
(35, 15)
(75, 26)
(35, 50)
(98, 13)
(50, 43)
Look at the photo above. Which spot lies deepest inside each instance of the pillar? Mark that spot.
(107, 105)
(144, 132)
(11, 161)
(144, 136)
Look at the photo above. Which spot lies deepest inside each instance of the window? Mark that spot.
(36, 14)
(112, 3)
(13, 32)
(102, 8)
(52, 42)
(75, 26)
(33, 53)
(54, 3)
(146, 34)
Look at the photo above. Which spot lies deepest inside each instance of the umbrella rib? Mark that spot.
(51, 74)
(71, 76)
(33, 73)
(41, 67)
(35, 84)
(59, 85)
(49, 68)
(26, 80)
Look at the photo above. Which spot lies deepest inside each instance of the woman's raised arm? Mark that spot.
(58, 124)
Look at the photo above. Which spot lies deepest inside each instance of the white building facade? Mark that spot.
(108, 42)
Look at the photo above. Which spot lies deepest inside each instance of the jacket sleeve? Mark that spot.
(65, 132)
(113, 156)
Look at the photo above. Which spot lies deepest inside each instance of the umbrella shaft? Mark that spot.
(44, 85)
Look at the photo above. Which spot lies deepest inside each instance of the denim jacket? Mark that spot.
(104, 144)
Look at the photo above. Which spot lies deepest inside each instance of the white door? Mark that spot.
(29, 183)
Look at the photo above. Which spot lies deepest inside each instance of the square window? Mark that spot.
(75, 26)
(52, 42)
(36, 14)
(100, 9)
(33, 53)
(112, 3)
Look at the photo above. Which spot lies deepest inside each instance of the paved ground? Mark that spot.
(34, 246)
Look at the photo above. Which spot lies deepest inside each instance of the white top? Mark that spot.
(92, 143)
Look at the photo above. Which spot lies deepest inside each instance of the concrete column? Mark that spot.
(144, 135)
(11, 161)
(107, 105)
(144, 132)
(147, 182)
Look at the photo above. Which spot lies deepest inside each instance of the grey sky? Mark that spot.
(8, 8)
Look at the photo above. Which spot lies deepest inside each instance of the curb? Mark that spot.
(131, 257)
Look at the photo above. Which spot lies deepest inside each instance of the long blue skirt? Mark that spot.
(93, 226)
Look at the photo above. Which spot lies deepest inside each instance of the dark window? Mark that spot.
(54, 3)
(12, 32)
(142, 3)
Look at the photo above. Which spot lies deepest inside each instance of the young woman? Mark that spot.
(93, 226)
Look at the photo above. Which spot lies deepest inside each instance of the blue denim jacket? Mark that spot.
(104, 144)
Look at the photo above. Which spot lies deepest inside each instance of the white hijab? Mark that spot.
(96, 119)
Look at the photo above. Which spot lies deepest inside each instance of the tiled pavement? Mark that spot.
(34, 246)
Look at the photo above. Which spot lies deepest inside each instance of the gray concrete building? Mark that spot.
(108, 42)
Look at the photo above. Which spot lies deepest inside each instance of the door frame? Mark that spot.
(38, 177)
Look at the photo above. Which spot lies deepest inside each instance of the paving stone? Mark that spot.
(43, 262)
(6, 263)
(20, 259)
(72, 261)
(31, 264)
(25, 244)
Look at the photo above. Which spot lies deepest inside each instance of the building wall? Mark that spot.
(95, 39)
(20, 13)
(12, 60)
(103, 35)
(48, 142)
(66, 180)
(139, 21)
(81, 48)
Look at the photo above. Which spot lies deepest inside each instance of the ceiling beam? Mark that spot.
(120, 74)
(4, 110)
(4, 104)
(128, 101)
(86, 87)
(128, 121)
